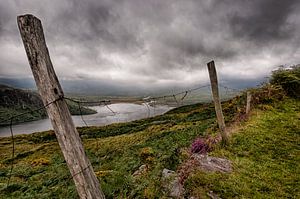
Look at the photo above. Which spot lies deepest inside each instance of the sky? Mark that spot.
(155, 43)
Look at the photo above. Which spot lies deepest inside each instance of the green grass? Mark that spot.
(265, 155)
(116, 151)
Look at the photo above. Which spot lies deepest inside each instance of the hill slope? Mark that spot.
(264, 152)
(16, 101)
(266, 157)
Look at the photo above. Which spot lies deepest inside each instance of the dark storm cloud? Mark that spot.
(87, 22)
(267, 20)
(155, 42)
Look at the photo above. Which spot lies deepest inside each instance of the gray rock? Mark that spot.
(208, 163)
(171, 183)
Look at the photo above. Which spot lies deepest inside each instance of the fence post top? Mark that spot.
(27, 16)
(211, 62)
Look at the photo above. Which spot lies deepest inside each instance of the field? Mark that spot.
(265, 153)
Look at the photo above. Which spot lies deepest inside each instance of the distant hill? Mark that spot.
(15, 101)
(10, 96)
(109, 88)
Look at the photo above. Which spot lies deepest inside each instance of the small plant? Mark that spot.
(201, 145)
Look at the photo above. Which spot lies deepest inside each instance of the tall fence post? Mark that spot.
(248, 105)
(86, 182)
(215, 92)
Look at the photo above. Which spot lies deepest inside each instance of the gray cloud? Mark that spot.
(152, 43)
(267, 20)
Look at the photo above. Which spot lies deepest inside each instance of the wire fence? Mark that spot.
(148, 102)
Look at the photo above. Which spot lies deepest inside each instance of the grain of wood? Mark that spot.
(49, 88)
(215, 93)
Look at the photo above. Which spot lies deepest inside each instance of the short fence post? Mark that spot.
(215, 92)
(248, 106)
(86, 182)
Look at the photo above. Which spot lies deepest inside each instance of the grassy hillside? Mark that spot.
(264, 153)
(266, 156)
(115, 151)
(16, 101)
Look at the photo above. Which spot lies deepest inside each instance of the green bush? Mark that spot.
(288, 79)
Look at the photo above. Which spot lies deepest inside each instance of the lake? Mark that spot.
(123, 112)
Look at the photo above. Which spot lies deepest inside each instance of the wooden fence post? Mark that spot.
(215, 92)
(248, 106)
(86, 182)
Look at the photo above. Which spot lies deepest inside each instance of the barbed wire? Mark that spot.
(81, 116)
(100, 102)
(13, 151)
(12, 134)
(186, 93)
(148, 108)
(230, 88)
(179, 93)
(106, 105)
(105, 102)
(81, 171)
(87, 102)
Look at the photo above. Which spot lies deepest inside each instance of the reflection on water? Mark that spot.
(124, 112)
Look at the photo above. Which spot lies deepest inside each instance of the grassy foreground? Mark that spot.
(265, 155)
(116, 151)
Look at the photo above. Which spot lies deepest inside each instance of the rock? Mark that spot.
(171, 183)
(208, 163)
(142, 169)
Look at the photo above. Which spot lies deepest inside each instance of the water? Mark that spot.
(124, 112)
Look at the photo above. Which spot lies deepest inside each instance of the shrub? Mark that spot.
(204, 145)
(267, 94)
(288, 79)
(200, 146)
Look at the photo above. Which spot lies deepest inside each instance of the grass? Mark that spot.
(265, 155)
(116, 151)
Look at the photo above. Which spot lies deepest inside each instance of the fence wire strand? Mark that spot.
(12, 134)
(100, 102)
(81, 116)
(13, 151)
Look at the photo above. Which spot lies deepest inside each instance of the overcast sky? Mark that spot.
(155, 42)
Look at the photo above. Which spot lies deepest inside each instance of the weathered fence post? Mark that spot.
(86, 182)
(248, 106)
(215, 92)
